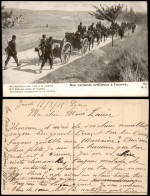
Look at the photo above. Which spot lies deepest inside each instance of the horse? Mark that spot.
(83, 30)
(103, 33)
(121, 32)
(133, 28)
(90, 36)
(129, 27)
(97, 35)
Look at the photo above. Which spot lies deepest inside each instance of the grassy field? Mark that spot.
(130, 57)
(33, 26)
(127, 61)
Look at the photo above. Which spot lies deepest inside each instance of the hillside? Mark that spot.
(30, 30)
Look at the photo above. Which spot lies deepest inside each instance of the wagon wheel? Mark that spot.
(84, 46)
(65, 52)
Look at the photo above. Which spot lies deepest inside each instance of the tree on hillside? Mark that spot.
(7, 20)
(108, 13)
(131, 11)
(126, 9)
(129, 16)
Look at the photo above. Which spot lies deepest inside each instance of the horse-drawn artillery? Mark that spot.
(77, 41)
(82, 41)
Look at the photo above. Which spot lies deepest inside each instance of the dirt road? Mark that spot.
(28, 72)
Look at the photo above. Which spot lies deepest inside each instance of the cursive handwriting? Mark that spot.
(72, 147)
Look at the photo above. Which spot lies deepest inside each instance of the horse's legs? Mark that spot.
(98, 40)
(129, 32)
(101, 37)
(92, 41)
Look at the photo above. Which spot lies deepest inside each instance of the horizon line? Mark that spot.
(62, 10)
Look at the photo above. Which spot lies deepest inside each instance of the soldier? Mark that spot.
(48, 54)
(11, 52)
(133, 28)
(80, 28)
(98, 25)
(121, 32)
(92, 27)
(41, 46)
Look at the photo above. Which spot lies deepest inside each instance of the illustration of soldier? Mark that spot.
(80, 28)
(91, 27)
(48, 53)
(41, 48)
(11, 52)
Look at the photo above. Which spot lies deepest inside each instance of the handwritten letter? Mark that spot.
(75, 146)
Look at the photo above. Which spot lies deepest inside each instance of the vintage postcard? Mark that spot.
(75, 147)
(74, 48)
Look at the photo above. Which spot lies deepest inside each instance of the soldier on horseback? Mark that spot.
(91, 27)
(98, 25)
(90, 36)
(103, 32)
(121, 32)
(133, 28)
(80, 28)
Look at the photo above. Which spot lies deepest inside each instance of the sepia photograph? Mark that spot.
(62, 42)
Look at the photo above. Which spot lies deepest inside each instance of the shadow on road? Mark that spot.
(29, 61)
(29, 70)
(26, 70)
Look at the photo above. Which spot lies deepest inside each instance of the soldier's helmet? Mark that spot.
(44, 36)
(14, 37)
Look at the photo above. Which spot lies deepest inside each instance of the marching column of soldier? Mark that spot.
(46, 47)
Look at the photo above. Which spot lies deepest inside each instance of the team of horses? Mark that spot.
(101, 32)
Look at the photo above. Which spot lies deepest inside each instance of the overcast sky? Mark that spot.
(138, 6)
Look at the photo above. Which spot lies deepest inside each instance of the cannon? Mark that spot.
(77, 41)
(61, 49)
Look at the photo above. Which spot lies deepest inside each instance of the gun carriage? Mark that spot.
(61, 49)
(77, 41)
